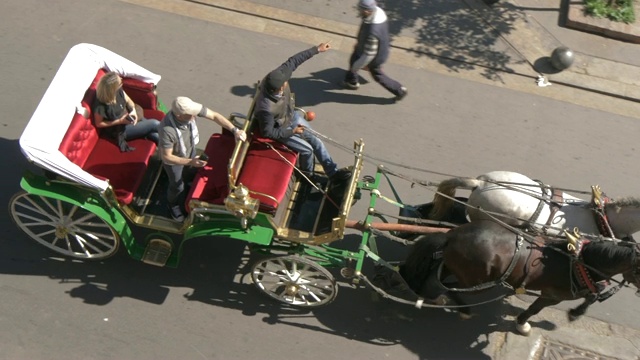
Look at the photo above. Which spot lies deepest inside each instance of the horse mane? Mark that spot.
(606, 253)
(625, 202)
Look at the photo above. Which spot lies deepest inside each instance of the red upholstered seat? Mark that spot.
(102, 157)
(124, 170)
(153, 114)
(211, 183)
(266, 171)
(142, 93)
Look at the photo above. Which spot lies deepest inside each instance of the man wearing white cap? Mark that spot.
(178, 140)
(372, 50)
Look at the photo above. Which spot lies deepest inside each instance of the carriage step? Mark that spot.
(157, 252)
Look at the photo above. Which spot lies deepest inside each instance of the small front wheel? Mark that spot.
(295, 281)
(63, 227)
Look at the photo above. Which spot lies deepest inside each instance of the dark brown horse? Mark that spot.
(485, 254)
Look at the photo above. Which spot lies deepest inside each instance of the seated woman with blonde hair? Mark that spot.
(118, 117)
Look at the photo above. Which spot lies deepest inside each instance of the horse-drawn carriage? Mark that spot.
(86, 198)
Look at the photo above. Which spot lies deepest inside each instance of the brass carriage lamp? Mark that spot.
(241, 204)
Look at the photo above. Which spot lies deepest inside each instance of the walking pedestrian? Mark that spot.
(372, 50)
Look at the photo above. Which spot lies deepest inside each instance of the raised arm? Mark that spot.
(225, 124)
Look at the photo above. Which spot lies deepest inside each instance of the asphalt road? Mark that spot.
(56, 308)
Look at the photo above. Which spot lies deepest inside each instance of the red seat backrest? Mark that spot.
(79, 141)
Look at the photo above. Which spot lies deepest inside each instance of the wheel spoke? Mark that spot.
(84, 220)
(37, 220)
(92, 237)
(84, 244)
(45, 233)
(37, 209)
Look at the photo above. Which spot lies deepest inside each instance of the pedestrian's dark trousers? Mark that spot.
(378, 75)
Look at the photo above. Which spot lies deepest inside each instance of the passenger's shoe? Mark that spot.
(402, 94)
(341, 175)
(351, 85)
(176, 213)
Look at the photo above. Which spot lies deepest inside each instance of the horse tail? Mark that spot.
(442, 204)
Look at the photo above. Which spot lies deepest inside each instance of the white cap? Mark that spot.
(183, 105)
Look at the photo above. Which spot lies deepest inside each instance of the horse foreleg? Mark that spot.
(582, 308)
(464, 312)
(522, 324)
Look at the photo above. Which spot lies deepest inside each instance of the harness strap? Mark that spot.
(534, 216)
(584, 278)
(555, 204)
(600, 200)
(487, 285)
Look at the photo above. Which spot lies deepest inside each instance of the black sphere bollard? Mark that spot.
(562, 58)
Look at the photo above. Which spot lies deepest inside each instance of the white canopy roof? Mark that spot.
(48, 125)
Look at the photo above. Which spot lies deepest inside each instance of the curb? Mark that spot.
(601, 84)
(588, 73)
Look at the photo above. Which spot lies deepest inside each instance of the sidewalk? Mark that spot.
(554, 337)
(499, 45)
(616, 76)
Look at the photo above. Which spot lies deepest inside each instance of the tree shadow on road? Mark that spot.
(461, 35)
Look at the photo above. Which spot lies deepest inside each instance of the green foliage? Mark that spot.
(616, 10)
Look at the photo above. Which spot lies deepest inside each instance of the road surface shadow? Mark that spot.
(216, 270)
(323, 87)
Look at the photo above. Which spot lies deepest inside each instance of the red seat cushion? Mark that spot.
(211, 183)
(125, 170)
(266, 171)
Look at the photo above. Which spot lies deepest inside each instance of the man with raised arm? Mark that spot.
(274, 112)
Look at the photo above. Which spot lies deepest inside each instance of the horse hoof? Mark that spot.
(441, 300)
(524, 329)
(464, 316)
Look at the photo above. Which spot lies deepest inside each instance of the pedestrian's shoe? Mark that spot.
(176, 213)
(341, 175)
(351, 85)
(403, 92)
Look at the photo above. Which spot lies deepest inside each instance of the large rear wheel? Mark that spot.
(295, 281)
(63, 227)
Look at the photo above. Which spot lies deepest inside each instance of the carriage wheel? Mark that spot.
(295, 280)
(63, 227)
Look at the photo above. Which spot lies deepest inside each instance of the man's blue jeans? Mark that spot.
(307, 145)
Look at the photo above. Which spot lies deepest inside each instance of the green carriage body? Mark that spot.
(83, 215)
